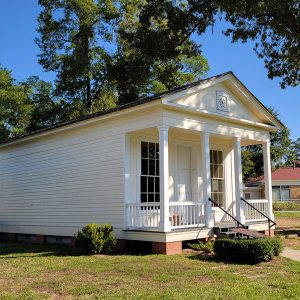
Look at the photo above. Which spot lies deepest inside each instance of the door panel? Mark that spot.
(183, 174)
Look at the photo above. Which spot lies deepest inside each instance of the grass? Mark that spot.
(288, 227)
(288, 214)
(48, 272)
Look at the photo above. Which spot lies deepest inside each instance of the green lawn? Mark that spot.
(41, 272)
(288, 214)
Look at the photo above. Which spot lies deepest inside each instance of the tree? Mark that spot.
(72, 35)
(46, 111)
(296, 148)
(144, 62)
(274, 25)
(15, 106)
(282, 153)
(100, 56)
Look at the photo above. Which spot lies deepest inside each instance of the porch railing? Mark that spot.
(257, 210)
(181, 215)
(186, 214)
(143, 215)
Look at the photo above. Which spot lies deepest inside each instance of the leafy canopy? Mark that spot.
(89, 45)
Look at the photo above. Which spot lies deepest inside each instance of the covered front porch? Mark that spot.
(171, 174)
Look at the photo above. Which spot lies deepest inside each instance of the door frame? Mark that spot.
(193, 146)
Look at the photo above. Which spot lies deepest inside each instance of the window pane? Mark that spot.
(151, 167)
(214, 185)
(157, 185)
(157, 198)
(157, 167)
(150, 184)
(285, 194)
(220, 171)
(220, 185)
(215, 157)
(221, 199)
(144, 149)
(157, 151)
(143, 184)
(143, 197)
(150, 197)
(215, 171)
(151, 150)
(144, 166)
(220, 157)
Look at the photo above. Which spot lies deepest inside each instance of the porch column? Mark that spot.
(209, 221)
(163, 131)
(238, 179)
(127, 176)
(268, 177)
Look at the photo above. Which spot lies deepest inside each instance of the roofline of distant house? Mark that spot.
(132, 104)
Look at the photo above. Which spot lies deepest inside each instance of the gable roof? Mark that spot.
(144, 101)
(286, 174)
(281, 174)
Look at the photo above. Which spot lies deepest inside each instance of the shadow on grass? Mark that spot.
(16, 250)
(214, 259)
(285, 232)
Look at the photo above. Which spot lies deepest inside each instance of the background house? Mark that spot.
(285, 185)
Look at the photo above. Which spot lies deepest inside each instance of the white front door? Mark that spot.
(183, 174)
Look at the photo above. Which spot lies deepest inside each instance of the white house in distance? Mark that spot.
(148, 168)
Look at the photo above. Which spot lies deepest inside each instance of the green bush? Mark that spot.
(204, 247)
(286, 205)
(247, 251)
(276, 244)
(96, 239)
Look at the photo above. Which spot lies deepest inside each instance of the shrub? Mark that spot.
(247, 251)
(276, 244)
(96, 239)
(286, 205)
(204, 247)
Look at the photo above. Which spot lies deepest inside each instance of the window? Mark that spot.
(281, 193)
(217, 176)
(149, 172)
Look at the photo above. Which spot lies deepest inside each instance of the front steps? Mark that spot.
(237, 232)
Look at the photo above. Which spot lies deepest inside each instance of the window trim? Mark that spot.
(224, 173)
(228, 175)
(139, 140)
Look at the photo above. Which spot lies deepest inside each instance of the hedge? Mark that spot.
(247, 251)
(286, 205)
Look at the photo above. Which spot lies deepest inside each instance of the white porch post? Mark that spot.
(209, 221)
(127, 176)
(163, 131)
(238, 179)
(268, 177)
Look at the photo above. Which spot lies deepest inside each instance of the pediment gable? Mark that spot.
(225, 96)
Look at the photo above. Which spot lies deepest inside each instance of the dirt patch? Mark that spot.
(287, 223)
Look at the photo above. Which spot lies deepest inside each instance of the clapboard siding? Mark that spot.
(56, 184)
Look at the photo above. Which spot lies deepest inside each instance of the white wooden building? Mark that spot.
(148, 168)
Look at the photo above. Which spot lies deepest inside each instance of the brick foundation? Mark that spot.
(121, 245)
(266, 232)
(167, 248)
(39, 239)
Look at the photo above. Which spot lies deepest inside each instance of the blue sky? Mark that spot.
(18, 53)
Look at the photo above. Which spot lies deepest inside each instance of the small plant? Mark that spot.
(204, 247)
(96, 239)
(247, 251)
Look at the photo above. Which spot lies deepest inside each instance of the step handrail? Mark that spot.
(269, 220)
(226, 212)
